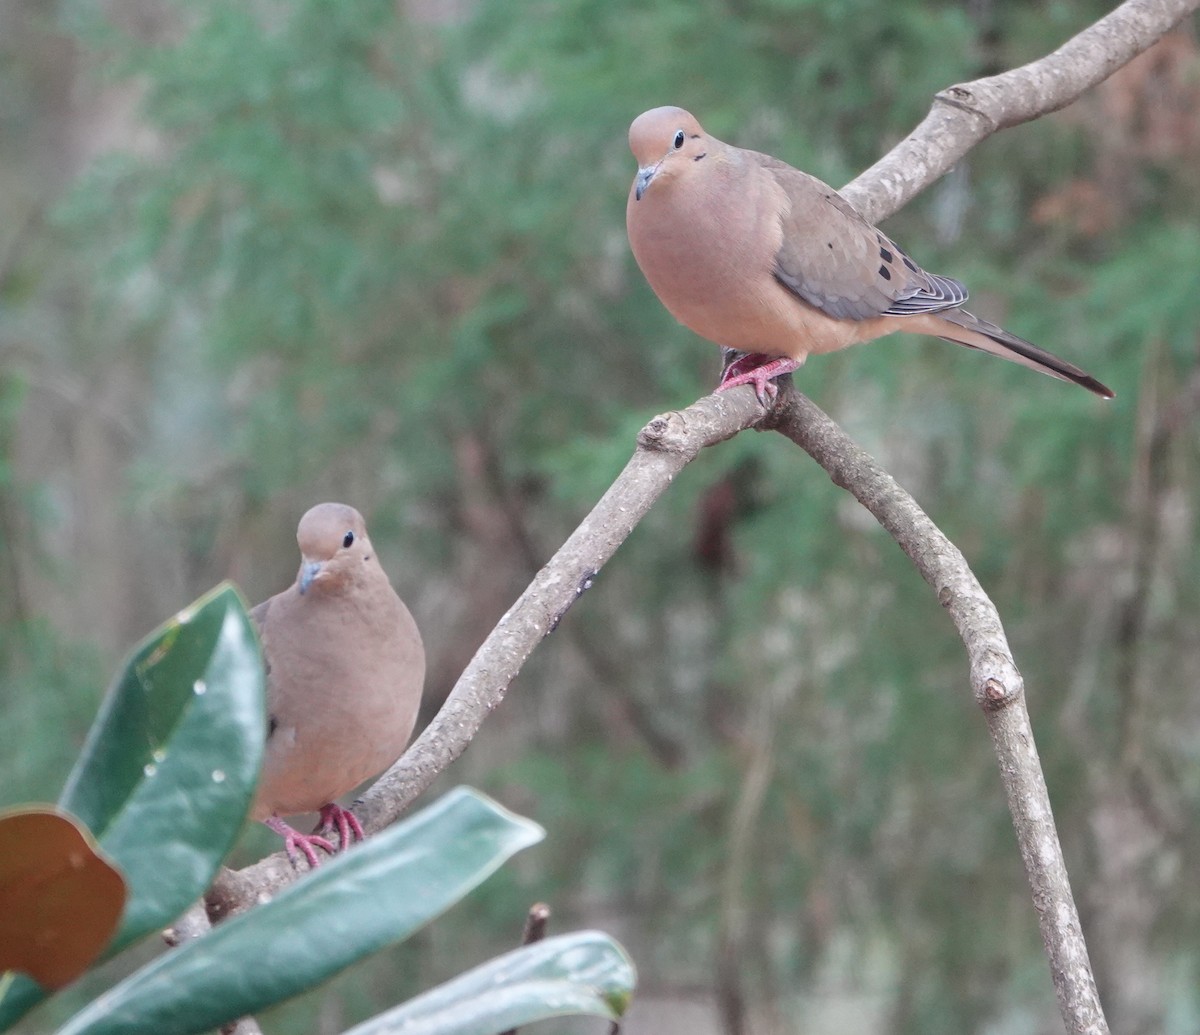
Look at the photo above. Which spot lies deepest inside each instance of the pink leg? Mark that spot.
(346, 822)
(306, 843)
(757, 369)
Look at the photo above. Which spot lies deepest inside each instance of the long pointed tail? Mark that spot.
(966, 329)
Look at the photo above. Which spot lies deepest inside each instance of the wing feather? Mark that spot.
(833, 259)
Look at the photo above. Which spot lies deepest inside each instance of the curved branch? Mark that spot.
(968, 113)
(995, 681)
(665, 446)
(961, 117)
(947, 133)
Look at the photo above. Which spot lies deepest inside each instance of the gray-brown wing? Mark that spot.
(836, 261)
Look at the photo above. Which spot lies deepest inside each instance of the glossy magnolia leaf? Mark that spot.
(18, 995)
(376, 894)
(60, 899)
(582, 973)
(169, 768)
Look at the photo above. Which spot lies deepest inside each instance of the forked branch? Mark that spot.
(961, 117)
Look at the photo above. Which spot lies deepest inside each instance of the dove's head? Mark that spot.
(666, 142)
(334, 548)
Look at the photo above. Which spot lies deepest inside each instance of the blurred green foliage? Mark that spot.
(376, 251)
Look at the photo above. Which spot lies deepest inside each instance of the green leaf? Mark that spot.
(581, 973)
(170, 765)
(19, 994)
(376, 894)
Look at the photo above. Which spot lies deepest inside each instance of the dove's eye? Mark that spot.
(679, 138)
(348, 541)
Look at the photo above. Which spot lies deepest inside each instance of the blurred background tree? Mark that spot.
(254, 255)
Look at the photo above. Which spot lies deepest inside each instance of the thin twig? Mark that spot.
(536, 922)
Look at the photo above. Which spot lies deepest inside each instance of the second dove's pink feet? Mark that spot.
(758, 370)
(345, 822)
(306, 844)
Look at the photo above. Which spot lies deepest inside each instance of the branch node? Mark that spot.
(192, 925)
(666, 433)
(710, 419)
(964, 98)
(996, 695)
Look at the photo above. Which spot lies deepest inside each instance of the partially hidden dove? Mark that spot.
(762, 258)
(345, 669)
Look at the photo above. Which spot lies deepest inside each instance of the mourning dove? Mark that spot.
(345, 667)
(763, 258)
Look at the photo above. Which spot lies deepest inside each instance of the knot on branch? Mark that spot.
(997, 694)
(670, 433)
(709, 420)
(966, 97)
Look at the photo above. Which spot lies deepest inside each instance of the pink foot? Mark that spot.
(306, 843)
(758, 370)
(333, 816)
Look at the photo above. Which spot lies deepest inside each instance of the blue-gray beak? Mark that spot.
(308, 571)
(644, 176)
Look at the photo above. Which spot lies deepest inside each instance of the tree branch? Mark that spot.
(965, 114)
(665, 446)
(961, 117)
(946, 134)
(995, 681)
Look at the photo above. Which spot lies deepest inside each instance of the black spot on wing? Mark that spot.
(857, 275)
(912, 266)
(272, 726)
